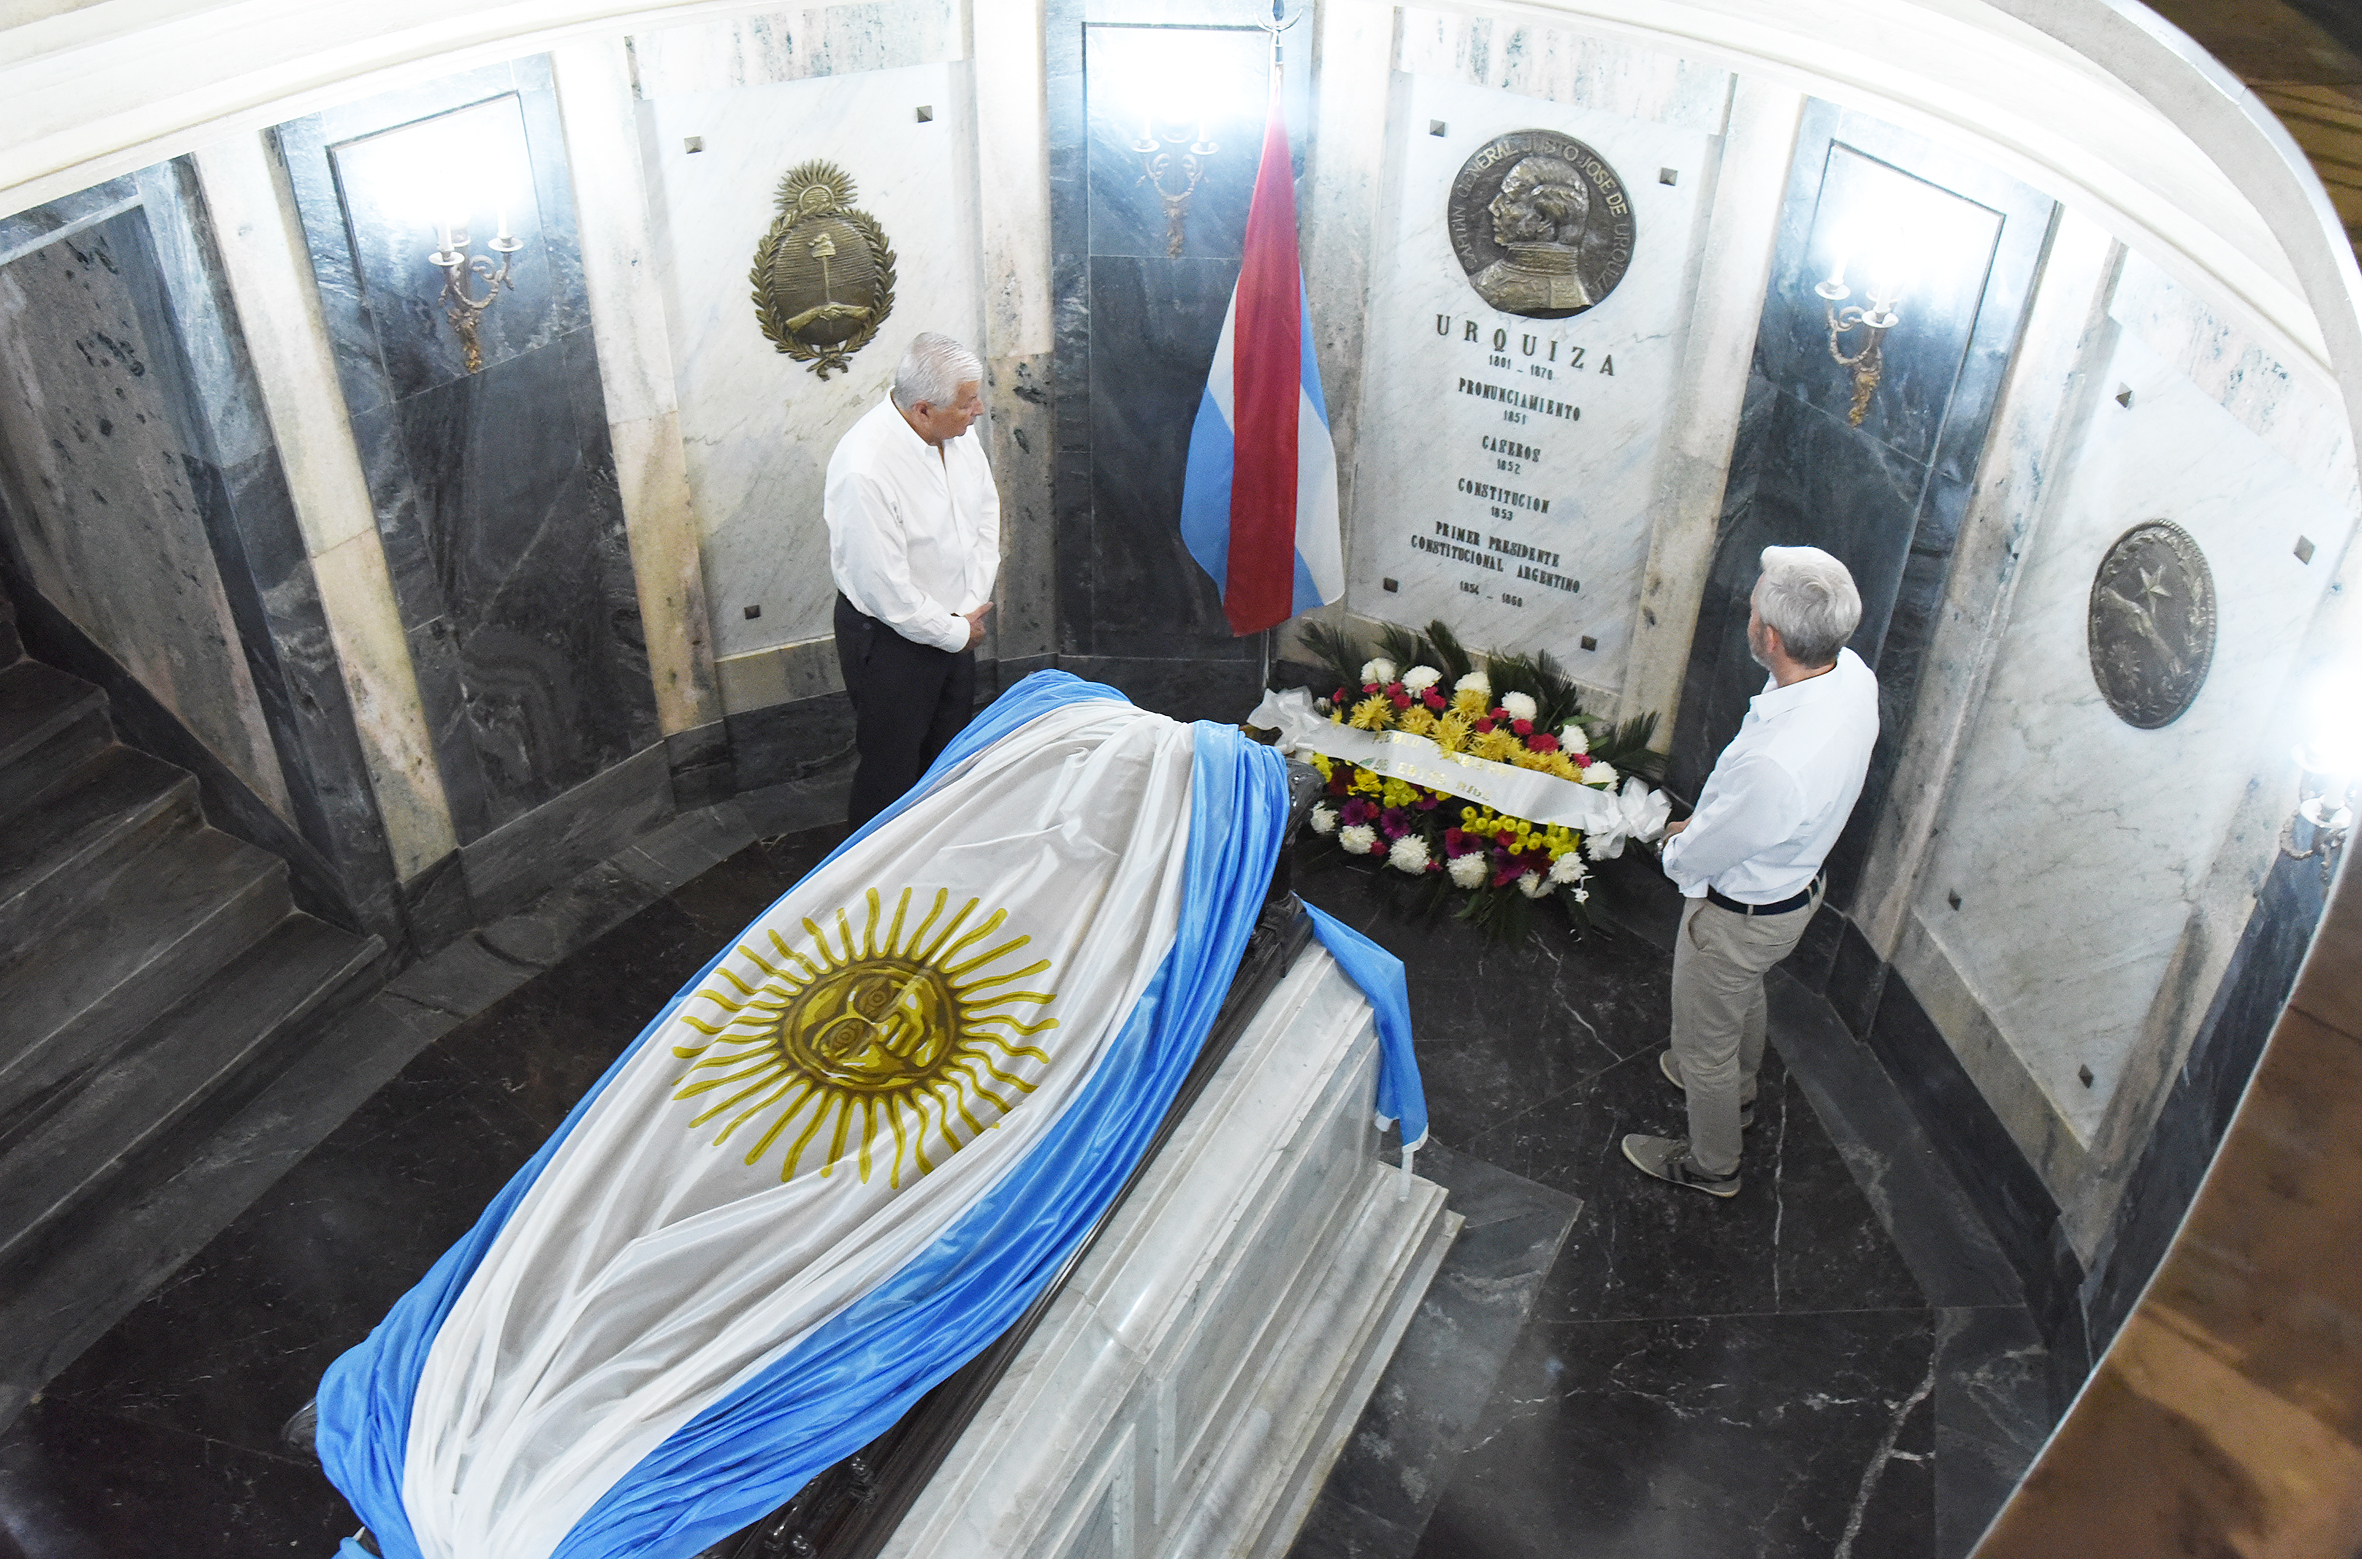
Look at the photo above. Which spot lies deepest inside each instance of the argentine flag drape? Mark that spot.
(1259, 495)
(838, 1164)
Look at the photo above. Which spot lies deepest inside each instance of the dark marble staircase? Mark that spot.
(154, 973)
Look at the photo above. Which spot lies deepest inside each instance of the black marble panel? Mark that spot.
(1887, 497)
(1857, 978)
(1173, 111)
(495, 491)
(1992, 1413)
(2207, 1090)
(1225, 691)
(701, 768)
(791, 741)
(1982, 1155)
(515, 863)
(1154, 326)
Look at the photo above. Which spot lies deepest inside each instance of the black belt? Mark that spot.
(1793, 901)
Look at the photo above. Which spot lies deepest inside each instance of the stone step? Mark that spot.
(185, 1071)
(49, 723)
(76, 831)
(149, 931)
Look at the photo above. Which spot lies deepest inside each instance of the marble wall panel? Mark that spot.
(1428, 538)
(110, 526)
(2076, 844)
(792, 44)
(495, 490)
(757, 425)
(1533, 59)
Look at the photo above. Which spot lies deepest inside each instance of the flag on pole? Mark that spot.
(1259, 496)
(842, 1160)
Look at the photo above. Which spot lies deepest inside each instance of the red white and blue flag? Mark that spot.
(1259, 499)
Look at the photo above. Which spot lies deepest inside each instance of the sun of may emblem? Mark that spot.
(899, 1035)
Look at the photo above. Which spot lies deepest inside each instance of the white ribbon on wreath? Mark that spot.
(1605, 817)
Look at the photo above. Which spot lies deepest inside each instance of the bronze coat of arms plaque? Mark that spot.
(1541, 224)
(824, 273)
(2151, 627)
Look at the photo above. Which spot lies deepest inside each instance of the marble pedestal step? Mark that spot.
(1189, 1390)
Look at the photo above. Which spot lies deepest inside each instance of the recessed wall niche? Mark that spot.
(494, 489)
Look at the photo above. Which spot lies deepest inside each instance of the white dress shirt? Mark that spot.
(1782, 790)
(914, 538)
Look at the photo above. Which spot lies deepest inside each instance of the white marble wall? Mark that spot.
(1642, 113)
(2075, 850)
(757, 425)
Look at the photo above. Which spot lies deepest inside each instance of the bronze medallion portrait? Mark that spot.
(2151, 628)
(824, 273)
(1541, 223)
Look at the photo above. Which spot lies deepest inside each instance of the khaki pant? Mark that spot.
(1719, 960)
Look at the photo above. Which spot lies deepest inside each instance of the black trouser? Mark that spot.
(909, 701)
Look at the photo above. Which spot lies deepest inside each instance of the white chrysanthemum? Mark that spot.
(1572, 738)
(1408, 855)
(1420, 678)
(1380, 671)
(1519, 706)
(1477, 680)
(1467, 871)
(1324, 819)
(1599, 772)
(1568, 868)
(1360, 839)
(1531, 884)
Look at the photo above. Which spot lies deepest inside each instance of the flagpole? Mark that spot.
(1280, 22)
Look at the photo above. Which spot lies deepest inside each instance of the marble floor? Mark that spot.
(1605, 1366)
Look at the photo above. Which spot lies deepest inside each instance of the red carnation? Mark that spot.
(1433, 699)
(1484, 725)
(1401, 699)
(1522, 727)
(1543, 743)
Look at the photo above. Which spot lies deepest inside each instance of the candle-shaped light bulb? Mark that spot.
(503, 220)
(443, 235)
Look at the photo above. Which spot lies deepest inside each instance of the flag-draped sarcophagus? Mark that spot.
(780, 1275)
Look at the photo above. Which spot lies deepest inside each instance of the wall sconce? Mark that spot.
(459, 306)
(1880, 317)
(1156, 163)
(2329, 766)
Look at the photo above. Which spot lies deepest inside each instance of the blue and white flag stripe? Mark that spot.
(1213, 456)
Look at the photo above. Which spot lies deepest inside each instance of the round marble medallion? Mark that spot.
(1541, 224)
(2151, 626)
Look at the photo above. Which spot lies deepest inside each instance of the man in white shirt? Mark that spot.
(914, 540)
(1749, 859)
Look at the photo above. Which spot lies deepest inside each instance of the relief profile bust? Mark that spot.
(1541, 224)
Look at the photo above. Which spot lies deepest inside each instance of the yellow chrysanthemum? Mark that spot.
(1336, 717)
(1398, 793)
(1364, 783)
(1325, 764)
(1527, 758)
(1561, 765)
(1450, 733)
(1496, 744)
(1419, 720)
(1471, 703)
(1374, 713)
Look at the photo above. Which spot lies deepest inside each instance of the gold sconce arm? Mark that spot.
(1867, 361)
(460, 306)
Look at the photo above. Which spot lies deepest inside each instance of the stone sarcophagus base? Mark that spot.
(1188, 1390)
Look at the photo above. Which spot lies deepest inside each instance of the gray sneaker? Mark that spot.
(1667, 1158)
(1672, 1070)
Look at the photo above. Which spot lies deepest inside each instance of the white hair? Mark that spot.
(933, 370)
(1809, 599)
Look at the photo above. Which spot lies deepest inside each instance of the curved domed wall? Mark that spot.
(499, 619)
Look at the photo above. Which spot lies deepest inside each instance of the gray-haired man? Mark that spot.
(1749, 859)
(914, 540)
